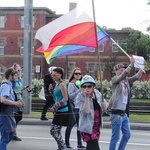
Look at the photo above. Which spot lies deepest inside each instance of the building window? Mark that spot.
(22, 21)
(100, 67)
(124, 44)
(101, 48)
(22, 47)
(2, 43)
(71, 66)
(1, 71)
(91, 69)
(92, 50)
(2, 21)
(115, 47)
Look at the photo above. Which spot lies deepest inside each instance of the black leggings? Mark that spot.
(92, 145)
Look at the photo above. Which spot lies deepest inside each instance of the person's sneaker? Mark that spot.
(69, 147)
(44, 118)
(81, 147)
(16, 138)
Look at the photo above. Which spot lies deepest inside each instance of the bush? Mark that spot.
(139, 89)
(36, 86)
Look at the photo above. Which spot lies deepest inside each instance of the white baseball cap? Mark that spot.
(50, 69)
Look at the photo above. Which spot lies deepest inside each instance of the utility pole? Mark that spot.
(27, 53)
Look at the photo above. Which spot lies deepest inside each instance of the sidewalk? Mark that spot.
(34, 121)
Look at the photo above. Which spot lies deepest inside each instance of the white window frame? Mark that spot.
(2, 45)
(22, 47)
(101, 48)
(71, 66)
(2, 21)
(115, 47)
(22, 21)
(91, 69)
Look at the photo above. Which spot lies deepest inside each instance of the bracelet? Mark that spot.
(59, 104)
(130, 66)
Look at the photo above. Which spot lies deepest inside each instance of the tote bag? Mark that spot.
(42, 94)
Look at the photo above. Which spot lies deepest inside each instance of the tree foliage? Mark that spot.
(140, 43)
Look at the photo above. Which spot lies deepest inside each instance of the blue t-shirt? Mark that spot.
(17, 86)
(7, 115)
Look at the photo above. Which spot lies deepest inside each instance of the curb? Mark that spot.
(33, 121)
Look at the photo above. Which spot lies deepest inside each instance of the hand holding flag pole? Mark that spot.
(126, 53)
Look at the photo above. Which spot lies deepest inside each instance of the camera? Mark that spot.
(27, 88)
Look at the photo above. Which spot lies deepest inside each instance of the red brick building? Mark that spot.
(12, 45)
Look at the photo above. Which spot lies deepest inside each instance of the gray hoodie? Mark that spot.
(86, 119)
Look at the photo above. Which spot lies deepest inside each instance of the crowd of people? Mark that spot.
(80, 96)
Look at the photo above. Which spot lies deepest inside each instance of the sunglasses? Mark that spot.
(87, 86)
(77, 73)
(19, 70)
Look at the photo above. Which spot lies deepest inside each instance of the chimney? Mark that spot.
(72, 6)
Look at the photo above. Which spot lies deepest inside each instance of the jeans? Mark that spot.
(69, 128)
(5, 138)
(121, 124)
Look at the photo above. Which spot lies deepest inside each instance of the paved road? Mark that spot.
(37, 137)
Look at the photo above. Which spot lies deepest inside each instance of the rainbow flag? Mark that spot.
(72, 33)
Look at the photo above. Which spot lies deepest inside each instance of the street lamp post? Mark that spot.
(27, 55)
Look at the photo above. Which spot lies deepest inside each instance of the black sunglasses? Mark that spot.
(87, 86)
(77, 73)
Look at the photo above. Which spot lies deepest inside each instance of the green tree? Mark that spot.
(143, 46)
(134, 36)
(140, 43)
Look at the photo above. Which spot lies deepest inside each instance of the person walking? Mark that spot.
(7, 100)
(18, 89)
(118, 103)
(1, 79)
(91, 106)
(73, 90)
(60, 108)
(49, 85)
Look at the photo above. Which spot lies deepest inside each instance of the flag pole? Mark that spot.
(99, 74)
(126, 53)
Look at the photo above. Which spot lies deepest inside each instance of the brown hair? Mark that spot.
(9, 72)
(71, 77)
(60, 71)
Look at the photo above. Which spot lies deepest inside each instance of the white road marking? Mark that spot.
(74, 140)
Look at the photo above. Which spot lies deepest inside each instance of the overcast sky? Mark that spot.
(111, 13)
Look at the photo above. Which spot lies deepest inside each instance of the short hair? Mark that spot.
(60, 71)
(118, 66)
(9, 72)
